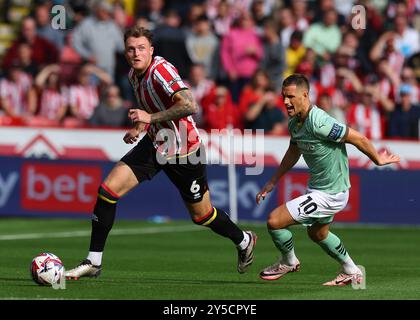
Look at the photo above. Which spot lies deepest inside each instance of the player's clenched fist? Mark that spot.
(131, 136)
(137, 115)
(263, 193)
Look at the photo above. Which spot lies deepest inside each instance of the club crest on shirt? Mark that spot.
(173, 81)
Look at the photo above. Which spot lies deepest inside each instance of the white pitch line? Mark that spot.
(84, 233)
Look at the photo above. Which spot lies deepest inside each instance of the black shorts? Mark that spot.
(189, 178)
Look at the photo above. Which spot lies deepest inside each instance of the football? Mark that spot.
(47, 269)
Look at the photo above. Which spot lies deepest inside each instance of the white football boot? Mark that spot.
(278, 270)
(84, 269)
(344, 279)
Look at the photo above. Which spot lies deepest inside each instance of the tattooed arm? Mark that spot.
(184, 105)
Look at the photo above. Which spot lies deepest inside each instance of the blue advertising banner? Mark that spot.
(60, 188)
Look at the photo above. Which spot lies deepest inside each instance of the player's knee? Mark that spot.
(317, 235)
(273, 221)
(200, 210)
(270, 222)
(279, 218)
(204, 219)
(107, 195)
(312, 235)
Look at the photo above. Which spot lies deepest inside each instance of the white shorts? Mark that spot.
(317, 206)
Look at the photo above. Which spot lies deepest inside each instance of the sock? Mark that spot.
(218, 221)
(102, 218)
(333, 246)
(245, 242)
(283, 239)
(95, 258)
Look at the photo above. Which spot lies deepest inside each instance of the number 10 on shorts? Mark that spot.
(308, 206)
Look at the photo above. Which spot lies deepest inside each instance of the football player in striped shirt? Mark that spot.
(172, 144)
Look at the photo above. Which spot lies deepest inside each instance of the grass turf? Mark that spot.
(196, 264)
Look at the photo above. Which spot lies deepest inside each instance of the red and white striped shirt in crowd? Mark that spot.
(366, 120)
(396, 61)
(84, 98)
(51, 102)
(16, 93)
(386, 88)
(154, 91)
(327, 75)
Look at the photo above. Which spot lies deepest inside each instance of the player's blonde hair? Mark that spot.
(138, 32)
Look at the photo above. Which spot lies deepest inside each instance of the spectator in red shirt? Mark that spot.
(219, 111)
(24, 59)
(258, 103)
(260, 83)
(43, 51)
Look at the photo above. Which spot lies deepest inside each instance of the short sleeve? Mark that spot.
(328, 128)
(168, 77)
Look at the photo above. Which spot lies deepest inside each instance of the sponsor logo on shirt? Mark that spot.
(304, 146)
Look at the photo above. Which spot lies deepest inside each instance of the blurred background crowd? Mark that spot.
(234, 55)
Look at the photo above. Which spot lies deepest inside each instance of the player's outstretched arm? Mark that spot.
(289, 160)
(184, 105)
(365, 145)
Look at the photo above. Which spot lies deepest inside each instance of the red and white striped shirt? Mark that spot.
(366, 120)
(84, 98)
(154, 91)
(51, 103)
(16, 93)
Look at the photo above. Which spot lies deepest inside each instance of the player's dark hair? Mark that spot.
(138, 32)
(296, 79)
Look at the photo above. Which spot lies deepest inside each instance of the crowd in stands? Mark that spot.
(234, 55)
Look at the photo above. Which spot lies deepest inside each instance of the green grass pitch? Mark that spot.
(178, 260)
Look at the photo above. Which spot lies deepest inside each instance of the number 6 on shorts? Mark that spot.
(195, 187)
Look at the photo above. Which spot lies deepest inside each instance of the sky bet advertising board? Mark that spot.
(67, 188)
